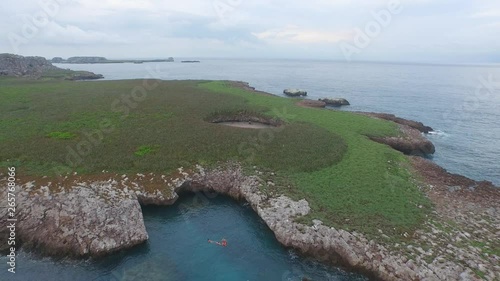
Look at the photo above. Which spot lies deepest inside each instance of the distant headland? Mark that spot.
(88, 60)
(39, 67)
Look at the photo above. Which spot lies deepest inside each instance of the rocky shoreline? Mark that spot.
(83, 216)
(36, 67)
(94, 215)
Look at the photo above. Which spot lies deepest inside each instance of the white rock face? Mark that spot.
(335, 101)
(294, 92)
(88, 220)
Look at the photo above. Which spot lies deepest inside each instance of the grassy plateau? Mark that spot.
(49, 127)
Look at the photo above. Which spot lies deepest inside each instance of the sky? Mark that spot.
(441, 31)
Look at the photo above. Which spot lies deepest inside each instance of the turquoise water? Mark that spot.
(178, 250)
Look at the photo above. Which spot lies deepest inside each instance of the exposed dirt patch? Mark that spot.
(244, 119)
(247, 125)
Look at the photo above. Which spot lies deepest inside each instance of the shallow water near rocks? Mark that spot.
(178, 250)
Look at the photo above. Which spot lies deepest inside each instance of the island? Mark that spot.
(39, 68)
(346, 188)
(92, 60)
(190, 61)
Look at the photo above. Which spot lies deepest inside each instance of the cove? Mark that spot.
(177, 249)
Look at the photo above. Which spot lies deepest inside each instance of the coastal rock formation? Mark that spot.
(36, 67)
(88, 219)
(312, 103)
(410, 142)
(294, 92)
(98, 217)
(84, 75)
(335, 101)
(326, 243)
(84, 217)
(81, 60)
(19, 66)
(391, 117)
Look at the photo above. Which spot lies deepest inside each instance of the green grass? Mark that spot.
(322, 155)
(61, 135)
(145, 149)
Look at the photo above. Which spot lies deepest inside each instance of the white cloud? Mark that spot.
(487, 14)
(301, 35)
(146, 28)
(55, 33)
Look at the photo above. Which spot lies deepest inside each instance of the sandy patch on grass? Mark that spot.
(247, 125)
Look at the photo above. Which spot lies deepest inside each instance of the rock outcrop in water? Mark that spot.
(294, 92)
(335, 101)
(410, 142)
(19, 66)
(391, 117)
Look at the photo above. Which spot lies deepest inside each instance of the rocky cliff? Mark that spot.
(100, 216)
(19, 66)
(36, 67)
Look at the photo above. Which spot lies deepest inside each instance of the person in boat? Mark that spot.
(223, 242)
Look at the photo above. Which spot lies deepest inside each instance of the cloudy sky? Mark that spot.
(450, 31)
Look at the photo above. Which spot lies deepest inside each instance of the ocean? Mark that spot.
(461, 102)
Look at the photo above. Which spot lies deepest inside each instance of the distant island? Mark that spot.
(190, 61)
(39, 68)
(89, 60)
